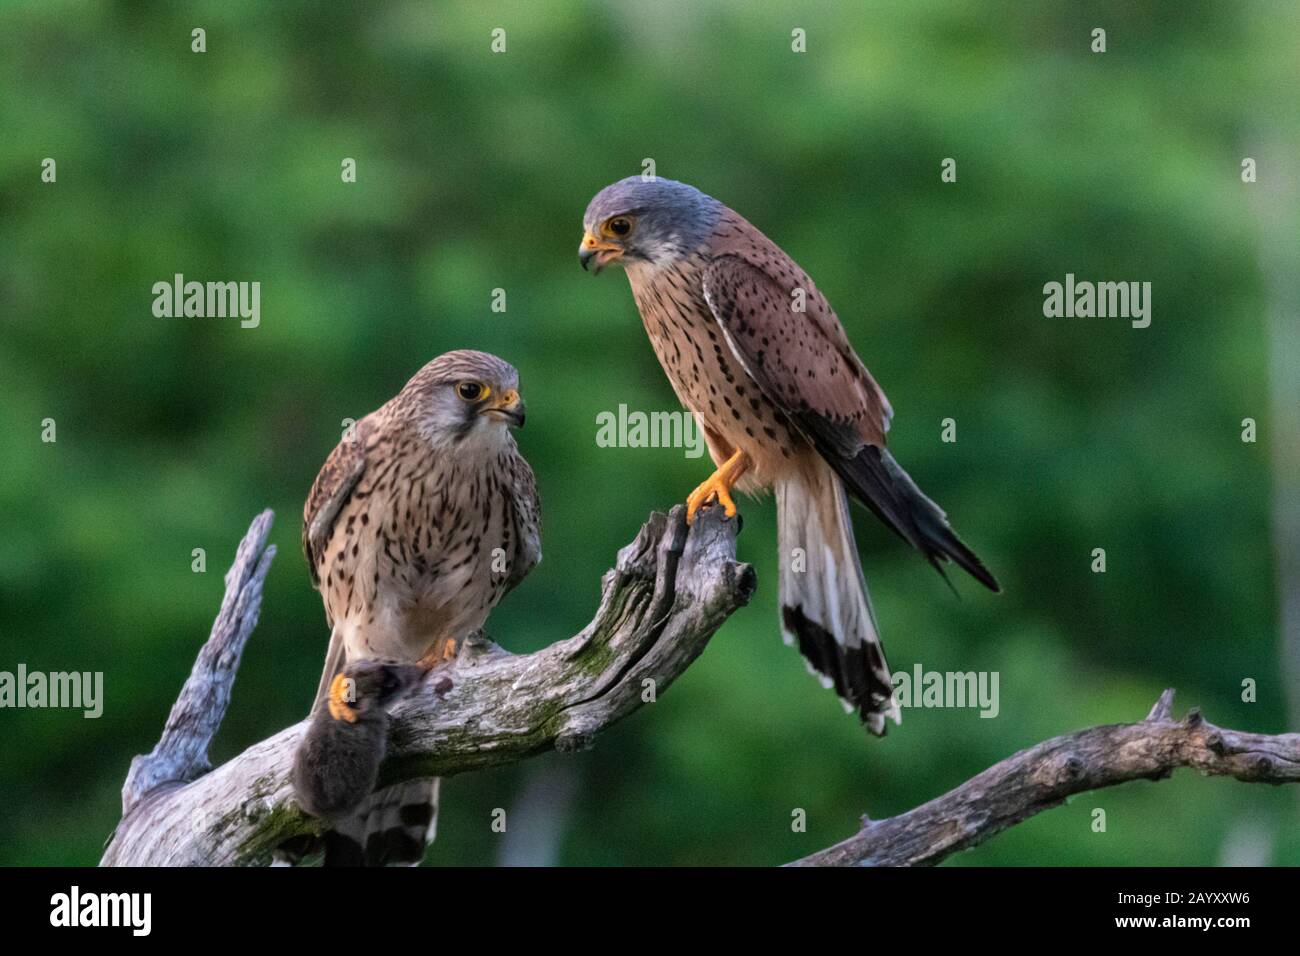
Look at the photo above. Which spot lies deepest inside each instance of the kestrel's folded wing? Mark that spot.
(525, 512)
(794, 347)
(804, 364)
(333, 487)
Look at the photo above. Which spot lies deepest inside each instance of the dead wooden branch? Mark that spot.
(1042, 777)
(669, 591)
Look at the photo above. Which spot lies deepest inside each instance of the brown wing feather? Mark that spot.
(526, 508)
(801, 360)
(804, 364)
(332, 488)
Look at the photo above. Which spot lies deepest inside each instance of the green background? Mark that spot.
(474, 169)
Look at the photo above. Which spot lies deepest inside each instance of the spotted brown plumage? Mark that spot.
(421, 519)
(754, 350)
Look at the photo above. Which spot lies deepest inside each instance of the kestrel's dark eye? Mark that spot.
(472, 391)
(620, 225)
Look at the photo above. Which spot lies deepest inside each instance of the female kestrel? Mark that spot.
(753, 349)
(420, 521)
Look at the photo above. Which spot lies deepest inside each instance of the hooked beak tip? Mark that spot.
(509, 410)
(602, 252)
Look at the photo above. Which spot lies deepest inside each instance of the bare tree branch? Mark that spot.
(668, 593)
(1044, 775)
(181, 754)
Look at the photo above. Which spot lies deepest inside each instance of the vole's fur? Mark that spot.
(337, 763)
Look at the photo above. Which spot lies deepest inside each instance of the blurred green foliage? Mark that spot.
(473, 172)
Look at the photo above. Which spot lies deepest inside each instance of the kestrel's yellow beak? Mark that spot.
(509, 407)
(599, 249)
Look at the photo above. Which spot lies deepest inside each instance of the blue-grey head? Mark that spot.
(650, 220)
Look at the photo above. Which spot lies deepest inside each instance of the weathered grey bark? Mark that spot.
(1044, 775)
(668, 593)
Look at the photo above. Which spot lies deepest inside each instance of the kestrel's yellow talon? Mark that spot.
(440, 653)
(718, 485)
(712, 488)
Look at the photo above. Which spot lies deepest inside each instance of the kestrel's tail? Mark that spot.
(393, 827)
(879, 482)
(825, 608)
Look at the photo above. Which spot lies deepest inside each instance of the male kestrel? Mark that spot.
(753, 349)
(420, 521)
